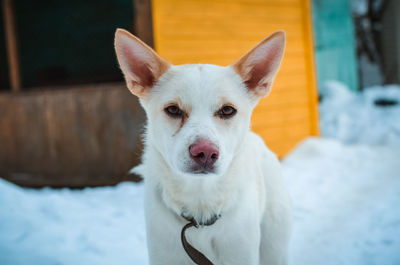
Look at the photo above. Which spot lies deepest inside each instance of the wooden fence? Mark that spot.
(85, 136)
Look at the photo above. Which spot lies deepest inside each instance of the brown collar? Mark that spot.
(195, 255)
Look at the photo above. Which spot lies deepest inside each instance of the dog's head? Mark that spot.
(198, 114)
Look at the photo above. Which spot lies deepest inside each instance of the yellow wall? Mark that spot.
(220, 31)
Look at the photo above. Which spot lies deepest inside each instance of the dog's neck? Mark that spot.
(199, 198)
(209, 222)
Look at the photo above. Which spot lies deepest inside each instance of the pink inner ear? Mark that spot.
(137, 61)
(263, 64)
(259, 66)
(257, 74)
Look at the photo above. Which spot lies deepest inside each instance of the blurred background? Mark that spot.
(68, 121)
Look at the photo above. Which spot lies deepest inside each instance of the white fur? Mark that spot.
(247, 189)
(245, 185)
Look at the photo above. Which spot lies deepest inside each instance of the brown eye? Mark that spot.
(173, 111)
(227, 112)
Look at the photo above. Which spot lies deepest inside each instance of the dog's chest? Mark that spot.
(230, 239)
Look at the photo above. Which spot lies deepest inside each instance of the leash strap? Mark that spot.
(193, 253)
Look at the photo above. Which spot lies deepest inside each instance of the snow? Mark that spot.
(354, 117)
(346, 202)
(345, 188)
(91, 226)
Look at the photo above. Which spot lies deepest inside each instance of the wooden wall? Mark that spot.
(75, 137)
(220, 31)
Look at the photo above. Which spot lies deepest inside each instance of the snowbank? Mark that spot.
(355, 118)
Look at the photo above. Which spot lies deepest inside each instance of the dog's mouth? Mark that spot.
(204, 169)
(200, 172)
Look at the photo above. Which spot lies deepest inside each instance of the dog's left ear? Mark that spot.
(141, 65)
(259, 66)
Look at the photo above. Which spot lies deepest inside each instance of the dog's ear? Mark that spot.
(259, 66)
(141, 65)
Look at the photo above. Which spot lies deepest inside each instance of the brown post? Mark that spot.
(12, 47)
(143, 21)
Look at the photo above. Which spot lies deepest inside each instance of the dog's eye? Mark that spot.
(173, 111)
(226, 112)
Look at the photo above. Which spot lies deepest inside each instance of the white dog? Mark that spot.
(202, 164)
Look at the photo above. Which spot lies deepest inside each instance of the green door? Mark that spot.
(335, 42)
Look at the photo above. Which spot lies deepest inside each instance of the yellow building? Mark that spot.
(221, 31)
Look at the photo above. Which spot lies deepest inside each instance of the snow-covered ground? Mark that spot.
(346, 202)
(345, 187)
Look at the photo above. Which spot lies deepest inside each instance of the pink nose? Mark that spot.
(204, 153)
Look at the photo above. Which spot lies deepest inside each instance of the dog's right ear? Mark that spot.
(141, 65)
